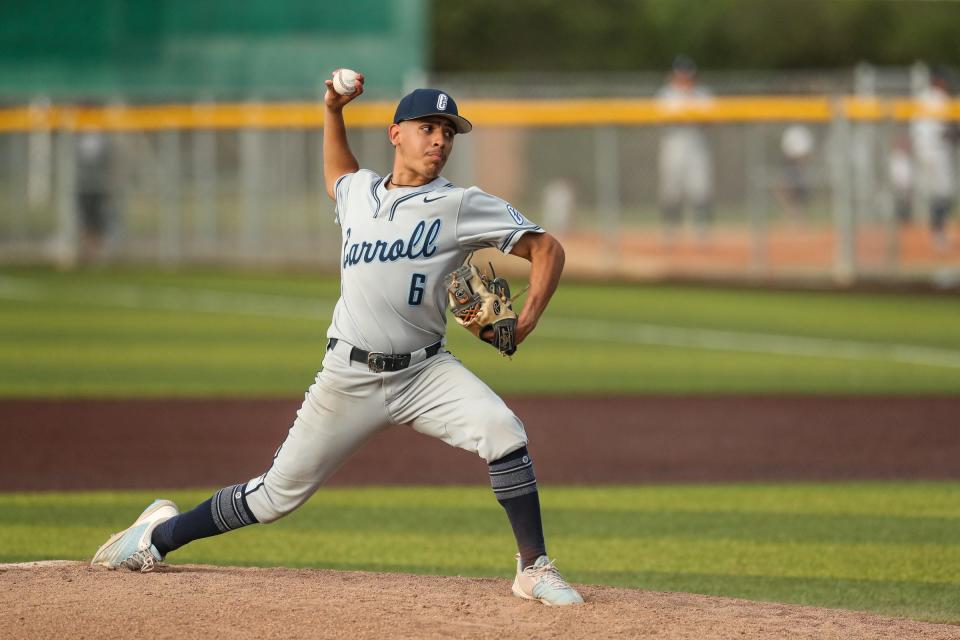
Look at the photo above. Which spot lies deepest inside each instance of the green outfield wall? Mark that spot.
(148, 49)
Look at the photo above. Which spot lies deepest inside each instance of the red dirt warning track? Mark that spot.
(101, 444)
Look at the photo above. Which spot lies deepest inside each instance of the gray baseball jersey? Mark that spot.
(397, 246)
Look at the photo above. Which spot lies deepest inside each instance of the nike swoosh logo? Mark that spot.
(426, 199)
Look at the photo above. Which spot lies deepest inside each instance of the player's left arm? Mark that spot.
(546, 257)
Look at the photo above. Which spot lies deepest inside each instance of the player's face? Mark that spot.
(424, 145)
(683, 80)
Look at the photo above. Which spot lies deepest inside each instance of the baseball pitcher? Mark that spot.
(406, 242)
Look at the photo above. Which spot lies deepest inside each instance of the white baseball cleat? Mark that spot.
(543, 582)
(132, 548)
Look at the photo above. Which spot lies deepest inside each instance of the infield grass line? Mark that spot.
(166, 298)
(210, 301)
(748, 342)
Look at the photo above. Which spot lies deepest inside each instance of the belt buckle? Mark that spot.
(376, 361)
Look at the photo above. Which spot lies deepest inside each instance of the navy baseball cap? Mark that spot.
(421, 103)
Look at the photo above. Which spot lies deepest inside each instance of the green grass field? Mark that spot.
(886, 547)
(123, 333)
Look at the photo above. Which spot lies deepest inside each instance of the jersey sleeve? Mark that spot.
(487, 221)
(340, 189)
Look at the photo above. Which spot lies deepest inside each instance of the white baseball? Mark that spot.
(345, 81)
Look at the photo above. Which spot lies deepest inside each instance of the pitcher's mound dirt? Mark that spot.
(73, 600)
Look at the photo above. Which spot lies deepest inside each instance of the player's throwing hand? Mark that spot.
(334, 100)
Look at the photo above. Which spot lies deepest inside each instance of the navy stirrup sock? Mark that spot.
(515, 486)
(226, 510)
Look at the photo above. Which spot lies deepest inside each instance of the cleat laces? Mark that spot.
(549, 574)
(143, 560)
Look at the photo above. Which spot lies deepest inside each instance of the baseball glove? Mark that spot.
(482, 305)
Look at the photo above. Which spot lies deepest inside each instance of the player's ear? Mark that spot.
(394, 134)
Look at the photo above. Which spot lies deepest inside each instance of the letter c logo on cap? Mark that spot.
(442, 102)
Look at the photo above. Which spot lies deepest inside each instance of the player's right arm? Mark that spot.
(338, 160)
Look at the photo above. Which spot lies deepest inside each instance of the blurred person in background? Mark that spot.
(900, 175)
(933, 139)
(685, 166)
(95, 197)
(558, 198)
(796, 185)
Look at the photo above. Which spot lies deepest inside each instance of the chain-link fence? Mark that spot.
(792, 184)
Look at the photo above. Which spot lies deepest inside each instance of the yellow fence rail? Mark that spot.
(527, 113)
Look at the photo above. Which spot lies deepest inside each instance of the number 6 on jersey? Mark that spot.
(417, 283)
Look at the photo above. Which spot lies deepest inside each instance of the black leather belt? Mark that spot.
(379, 362)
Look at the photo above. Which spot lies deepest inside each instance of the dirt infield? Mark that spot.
(73, 600)
(100, 444)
